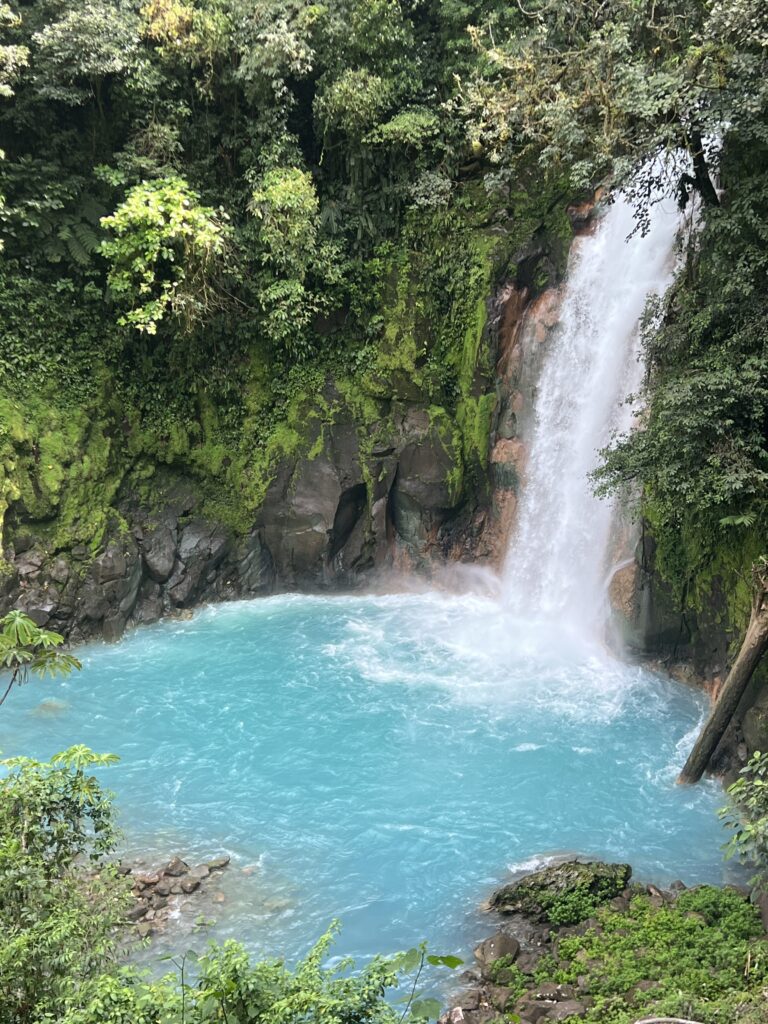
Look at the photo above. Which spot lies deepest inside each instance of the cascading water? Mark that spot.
(556, 565)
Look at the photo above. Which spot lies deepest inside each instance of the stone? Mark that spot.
(499, 996)
(149, 604)
(200, 871)
(137, 911)
(163, 887)
(176, 867)
(568, 1008)
(176, 889)
(256, 568)
(29, 563)
(190, 883)
(470, 1000)
(110, 565)
(495, 947)
(147, 879)
(159, 553)
(593, 882)
(547, 991)
(145, 929)
(59, 570)
(527, 962)
(531, 1010)
(482, 1015)
(620, 904)
(159, 902)
(217, 863)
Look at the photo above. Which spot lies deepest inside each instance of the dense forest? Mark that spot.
(255, 256)
(224, 222)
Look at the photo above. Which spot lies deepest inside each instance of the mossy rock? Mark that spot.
(564, 893)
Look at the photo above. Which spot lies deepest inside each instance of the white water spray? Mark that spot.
(556, 565)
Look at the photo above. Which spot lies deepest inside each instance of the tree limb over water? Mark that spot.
(752, 649)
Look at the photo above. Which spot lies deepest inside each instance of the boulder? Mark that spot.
(497, 946)
(499, 996)
(217, 863)
(567, 1008)
(137, 911)
(470, 1000)
(563, 893)
(176, 867)
(159, 553)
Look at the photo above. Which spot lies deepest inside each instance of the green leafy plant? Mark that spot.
(166, 253)
(747, 817)
(25, 647)
(57, 916)
(701, 958)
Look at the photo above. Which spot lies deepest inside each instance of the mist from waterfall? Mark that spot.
(555, 569)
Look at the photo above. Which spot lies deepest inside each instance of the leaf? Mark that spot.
(449, 961)
(425, 1009)
(407, 961)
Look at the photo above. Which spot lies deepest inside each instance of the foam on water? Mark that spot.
(382, 759)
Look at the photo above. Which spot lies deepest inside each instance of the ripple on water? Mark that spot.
(383, 759)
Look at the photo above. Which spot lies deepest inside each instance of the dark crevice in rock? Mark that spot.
(351, 506)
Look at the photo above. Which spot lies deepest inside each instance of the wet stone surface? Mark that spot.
(158, 892)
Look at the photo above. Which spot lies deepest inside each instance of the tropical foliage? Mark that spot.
(747, 817)
(64, 930)
(25, 647)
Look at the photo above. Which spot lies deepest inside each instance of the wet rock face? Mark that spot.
(397, 492)
(328, 518)
(167, 562)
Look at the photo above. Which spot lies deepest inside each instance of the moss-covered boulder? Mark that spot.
(563, 893)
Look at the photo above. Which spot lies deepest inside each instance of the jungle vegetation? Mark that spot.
(204, 202)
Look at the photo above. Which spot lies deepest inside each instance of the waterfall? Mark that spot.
(557, 561)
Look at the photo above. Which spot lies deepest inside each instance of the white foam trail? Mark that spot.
(556, 565)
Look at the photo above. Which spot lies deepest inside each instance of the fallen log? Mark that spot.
(752, 649)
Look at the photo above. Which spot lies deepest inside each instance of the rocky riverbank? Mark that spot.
(579, 941)
(160, 893)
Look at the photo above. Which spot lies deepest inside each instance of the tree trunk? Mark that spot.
(707, 190)
(753, 646)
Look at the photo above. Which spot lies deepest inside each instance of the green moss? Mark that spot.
(58, 466)
(710, 578)
(127, 411)
(564, 893)
(474, 418)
